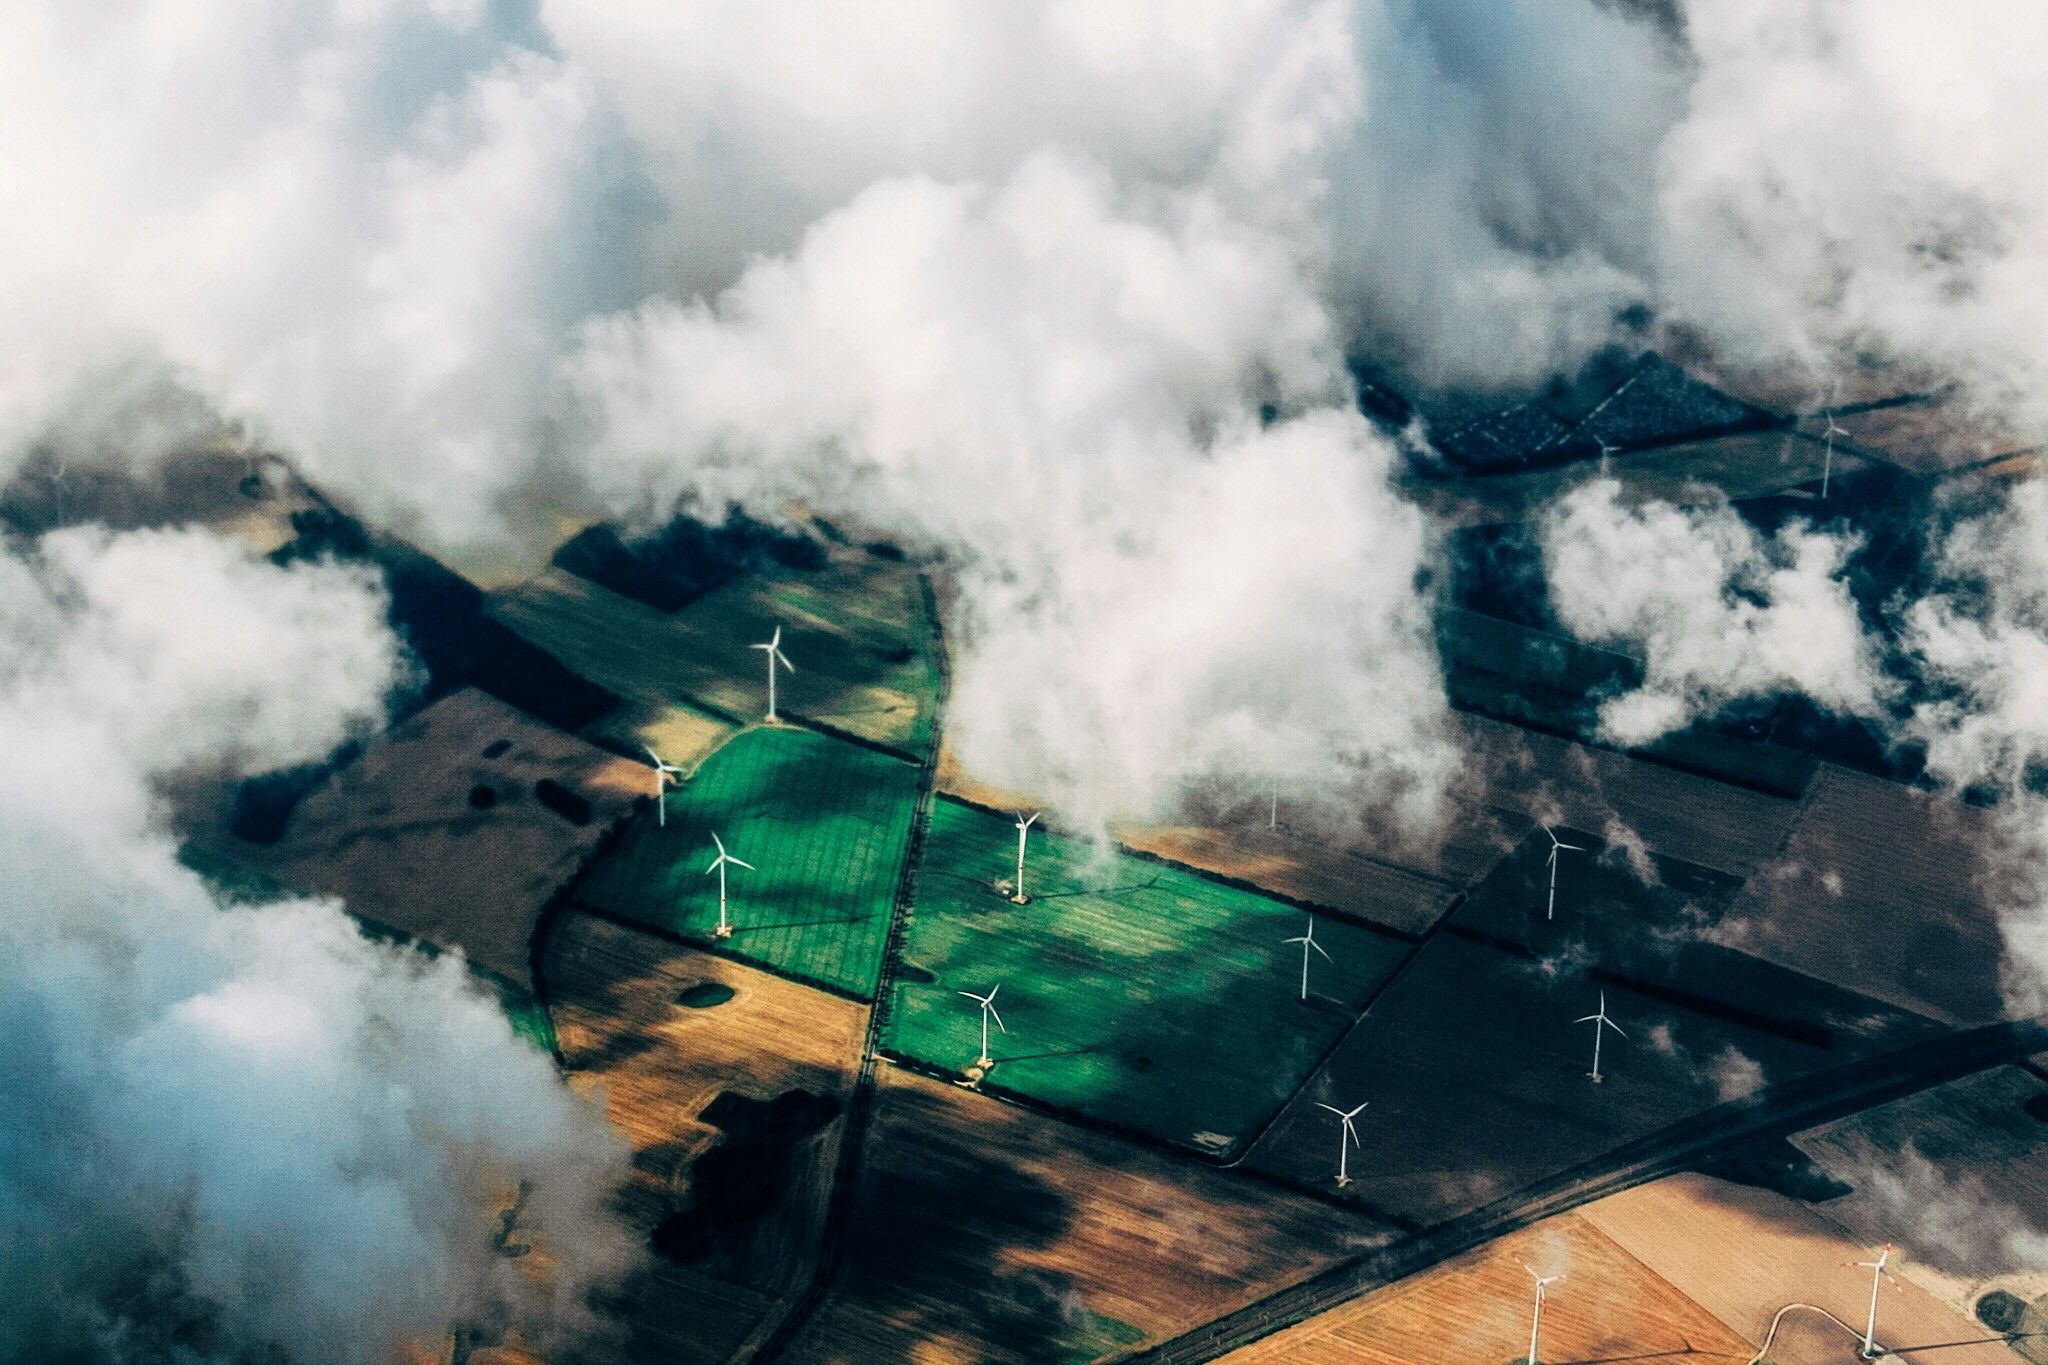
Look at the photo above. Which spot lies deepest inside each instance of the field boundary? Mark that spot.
(1789, 1108)
(780, 1330)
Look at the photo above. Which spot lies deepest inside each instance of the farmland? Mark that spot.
(728, 1083)
(1135, 993)
(826, 825)
(986, 1232)
(1608, 1307)
(857, 630)
(456, 828)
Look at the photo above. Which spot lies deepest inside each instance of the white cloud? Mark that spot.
(1718, 611)
(232, 1130)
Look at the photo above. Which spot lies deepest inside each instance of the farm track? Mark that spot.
(1784, 1109)
(779, 1333)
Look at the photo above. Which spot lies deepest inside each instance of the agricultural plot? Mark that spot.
(826, 825)
(1682, 1229)
(1982, 1132)
(1656, 925)
(858, 632)
(986, 1232)
(1478, 1079)
(1908, 867)
(456, 829)
(729, 1084)
(1475, 1308)
(1134, 993)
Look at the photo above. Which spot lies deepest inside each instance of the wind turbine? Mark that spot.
(1557, 846)
(718, 865)
(988, 1012)
(1024, 824)
(664, 773)
(56, 476)
(1827, 463)
(1606, 455)
(773, 649)
(1543, 1283)
(1347, 1138)
(1308, 941)
(1599, 1021)
(1878, 1275)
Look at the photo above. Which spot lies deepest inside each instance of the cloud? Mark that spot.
(238, 1129)
(1718, 611)
(1180, 555)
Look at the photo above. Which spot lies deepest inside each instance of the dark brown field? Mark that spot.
(439, 833)
(730, 1191)
(989, 1233)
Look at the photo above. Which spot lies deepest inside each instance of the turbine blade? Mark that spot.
(972, 996)
(1616, 1027)
(775, 640)
(1319, 948)
(1331, 1107)
(1303, 939)
(1589, 1019)
(737, 863)
(718, 841)
(783, 659)
(714, 865)
(997, 1017)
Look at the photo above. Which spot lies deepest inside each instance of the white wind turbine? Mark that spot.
(1557, 846)
(58, 473)
(1878, 1275)
(664, 773)
(1307, 942)
(1347, 1137)
(1827, 459)
(1543, 1283)
(1024, 824)
(773, 650)
(1606, 455)
(1600, 1022)
(988, 1012)
(718, 865)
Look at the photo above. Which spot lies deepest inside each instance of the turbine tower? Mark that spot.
(1308, 941)
(1557, 846)
(988, 1012)
(1543, 1283)
(1024, 824)
(718, 865)
(773, 649)
(1600, 1022)
(1827, 461)
(1347, 1137)
(664, 773)
(1878, 1275)
(1606, 455)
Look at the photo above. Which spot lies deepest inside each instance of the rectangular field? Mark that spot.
(684, 1049)
(985, 1232)
(826, 825)
(1136, 994)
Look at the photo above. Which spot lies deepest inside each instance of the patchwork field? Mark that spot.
(858, 632)
(1478, 1077)
(1608, 1307)
(826, 825)
(456, 828)
(729, 1083)
(984, 1232)
(1136, 994)
(1685, 1228)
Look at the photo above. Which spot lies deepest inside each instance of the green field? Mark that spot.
(858, 631)
(1135, 993)
(826, 825)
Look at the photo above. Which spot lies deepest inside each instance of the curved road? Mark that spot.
(1782, 1109)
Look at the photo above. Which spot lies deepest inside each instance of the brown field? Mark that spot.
(1475, 1309)
(1742, 1254)
(396, 836)
(1926, 438)
(616, 999)
(1907, 865)
(201, 487)
(986, 1232)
